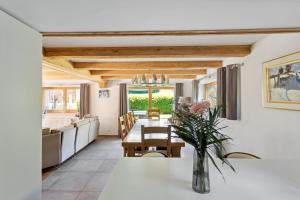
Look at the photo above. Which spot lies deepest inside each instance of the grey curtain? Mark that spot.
(123, 99)
(123, 103)
(221, 90)
(232, 81)
(228, 91)
(178, 93)
(195, 91)
(84, 100)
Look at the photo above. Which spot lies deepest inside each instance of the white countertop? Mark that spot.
(171, 179)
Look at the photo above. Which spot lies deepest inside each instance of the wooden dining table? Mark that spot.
(134, 139)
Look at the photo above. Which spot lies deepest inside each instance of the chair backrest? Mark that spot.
(123, 128)
(153, 113)
(129, 123)
(132, 118)
(242, 155)
(154, 154)
(163, 138)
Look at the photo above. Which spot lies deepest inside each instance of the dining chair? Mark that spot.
(132, 118)
(129, 123)
(153, 113)
(123, 131)
(154, 154)
(242, 155)
(156, 136)
(123, 128)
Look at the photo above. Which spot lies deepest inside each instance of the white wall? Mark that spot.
(20, 119)
(269, 133)
(107, 109)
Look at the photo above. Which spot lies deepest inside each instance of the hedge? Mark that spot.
(163, 103)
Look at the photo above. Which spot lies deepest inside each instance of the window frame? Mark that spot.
(65, 90)
(150, 88)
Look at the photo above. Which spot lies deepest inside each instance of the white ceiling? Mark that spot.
(150, 41)
(151, 15)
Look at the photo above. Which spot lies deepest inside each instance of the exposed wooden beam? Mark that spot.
(65, 77)
(174, 33)
(150, 52)
(148, 65)
(122, 77)
(103, 83)
(60, 67)
(134, 72)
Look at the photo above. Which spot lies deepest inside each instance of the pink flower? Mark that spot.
(199, 107)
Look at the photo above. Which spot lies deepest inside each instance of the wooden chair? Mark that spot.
(242, 155)
(154, 154)
(153, 113)
(123, 131)
(156, 137)
(123, 128)
(129, 123)
(131, 117)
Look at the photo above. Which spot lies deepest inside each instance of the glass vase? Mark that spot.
(200, 173)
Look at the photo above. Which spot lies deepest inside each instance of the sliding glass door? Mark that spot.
(143, 98)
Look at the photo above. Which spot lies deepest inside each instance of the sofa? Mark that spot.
(61, 144)
(67, 142)
(82, 135)
(51, 152)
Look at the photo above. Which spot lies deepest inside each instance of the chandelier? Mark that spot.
(154, 80)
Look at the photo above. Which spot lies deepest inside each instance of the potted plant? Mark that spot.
(199, 125)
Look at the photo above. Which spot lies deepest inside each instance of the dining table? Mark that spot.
(133, 140)
(171, 179)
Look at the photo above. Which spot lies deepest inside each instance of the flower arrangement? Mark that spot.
(199, 125)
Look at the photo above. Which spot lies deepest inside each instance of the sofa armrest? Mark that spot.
(51, 145)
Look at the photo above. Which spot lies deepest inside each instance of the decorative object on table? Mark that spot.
(103, 93)
(183, 101)
(282, 82)
(198, 125)
(211, 93)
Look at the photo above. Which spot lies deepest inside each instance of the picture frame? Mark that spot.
(211, 93)
(103, 94)
(281, 82)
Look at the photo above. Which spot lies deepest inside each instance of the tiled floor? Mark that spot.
(84, 176)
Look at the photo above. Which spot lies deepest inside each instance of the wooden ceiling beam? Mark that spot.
(63, 67)
(148, 65)
(122, 77)
(149, 52)
(174, 33)
(134, 72)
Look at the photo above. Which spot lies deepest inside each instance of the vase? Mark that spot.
(200, 173)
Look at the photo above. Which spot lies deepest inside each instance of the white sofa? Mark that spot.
(82, 135)
(68, 142)
(65, 142)
(94, 128)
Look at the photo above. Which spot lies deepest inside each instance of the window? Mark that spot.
(61, 99)
(142, 98)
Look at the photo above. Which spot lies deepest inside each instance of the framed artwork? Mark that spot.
(281, 82)
(211, 93)
(104, 94)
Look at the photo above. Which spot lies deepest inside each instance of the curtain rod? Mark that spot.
(215, 73)
(207, 76)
